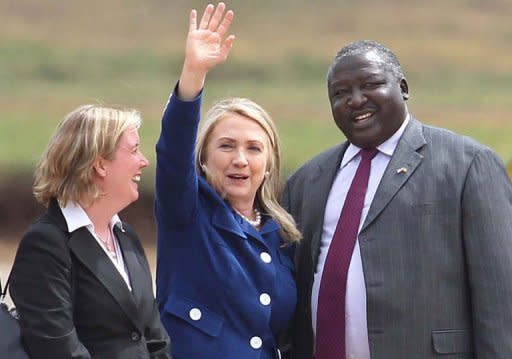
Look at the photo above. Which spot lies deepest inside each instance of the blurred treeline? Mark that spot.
(56, 55)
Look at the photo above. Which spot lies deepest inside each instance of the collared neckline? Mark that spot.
(76, 218)
(387, 147)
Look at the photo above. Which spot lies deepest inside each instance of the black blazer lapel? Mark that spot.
(136, 269)
(404, 162)
(83, 245)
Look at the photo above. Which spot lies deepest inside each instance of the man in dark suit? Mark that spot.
(429, 267)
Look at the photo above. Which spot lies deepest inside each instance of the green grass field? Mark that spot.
(56, 55)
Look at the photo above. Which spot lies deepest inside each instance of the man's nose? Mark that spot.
(357, 98)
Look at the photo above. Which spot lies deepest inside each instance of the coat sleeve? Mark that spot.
(176, 186)
(487, 230)
(41, 290)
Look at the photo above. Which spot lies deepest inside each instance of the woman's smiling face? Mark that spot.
(236, 158)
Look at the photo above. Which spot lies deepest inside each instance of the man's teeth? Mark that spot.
(363, 116)
(136, 178)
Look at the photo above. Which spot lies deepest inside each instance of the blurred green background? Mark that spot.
(56, 55)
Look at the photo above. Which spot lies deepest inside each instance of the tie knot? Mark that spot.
(368, 153)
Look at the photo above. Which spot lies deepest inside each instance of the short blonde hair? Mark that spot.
(268, 193)
(65, 170)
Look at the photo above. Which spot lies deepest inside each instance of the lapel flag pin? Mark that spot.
(401, 170)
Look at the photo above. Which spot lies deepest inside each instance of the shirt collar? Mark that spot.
(387, 147)
(76, 217)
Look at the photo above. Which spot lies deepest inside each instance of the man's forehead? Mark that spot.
(369, 61)
(373, 56)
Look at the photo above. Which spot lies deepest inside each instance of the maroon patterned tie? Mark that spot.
(330, 327)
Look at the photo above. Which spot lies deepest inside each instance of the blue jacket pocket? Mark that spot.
(195, 314)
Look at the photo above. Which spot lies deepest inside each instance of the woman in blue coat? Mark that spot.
(225, 284)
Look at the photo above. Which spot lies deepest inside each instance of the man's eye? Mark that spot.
(373, 84)
(340, 92)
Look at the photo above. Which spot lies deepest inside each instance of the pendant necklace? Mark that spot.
(109, 244)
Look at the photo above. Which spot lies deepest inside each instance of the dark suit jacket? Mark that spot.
(436, 249)
(73, 302)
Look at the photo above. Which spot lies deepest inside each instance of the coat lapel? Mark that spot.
(317, 188)
(269, 226)
(133, 265)
(404, 162)
(225, 220)
(83, 245)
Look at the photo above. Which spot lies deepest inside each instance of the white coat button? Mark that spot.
(195, 314)
(265, 299)
(265, 257)
(352, 356)
(256, 342)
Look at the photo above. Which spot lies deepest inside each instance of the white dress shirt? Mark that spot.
(356, 330)
(76, 217)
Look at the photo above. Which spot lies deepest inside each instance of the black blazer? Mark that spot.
(72, 301)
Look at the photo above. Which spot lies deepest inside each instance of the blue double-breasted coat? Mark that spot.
(224, 289)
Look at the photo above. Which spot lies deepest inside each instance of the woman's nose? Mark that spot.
(240, 158)
(144, 160)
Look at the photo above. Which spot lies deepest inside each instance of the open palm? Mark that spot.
(206, 46)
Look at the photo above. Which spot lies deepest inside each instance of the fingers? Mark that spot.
(226, 46)
(205, 19)
(226, 22)
(192, 21)
(213, 19)
(217, 16)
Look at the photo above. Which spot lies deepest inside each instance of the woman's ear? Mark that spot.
(100, 167)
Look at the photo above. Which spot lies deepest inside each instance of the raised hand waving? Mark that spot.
(206, 47)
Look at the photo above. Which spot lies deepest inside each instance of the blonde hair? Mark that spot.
(268, 193)
(65, 170)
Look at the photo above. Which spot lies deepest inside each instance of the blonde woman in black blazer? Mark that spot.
(81, 281)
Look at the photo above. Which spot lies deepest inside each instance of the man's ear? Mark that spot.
(100, 167)
(404, 87)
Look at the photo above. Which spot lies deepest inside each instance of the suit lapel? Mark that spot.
(132, 264)
(83, 245)
(404, 162)
(316, 199)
